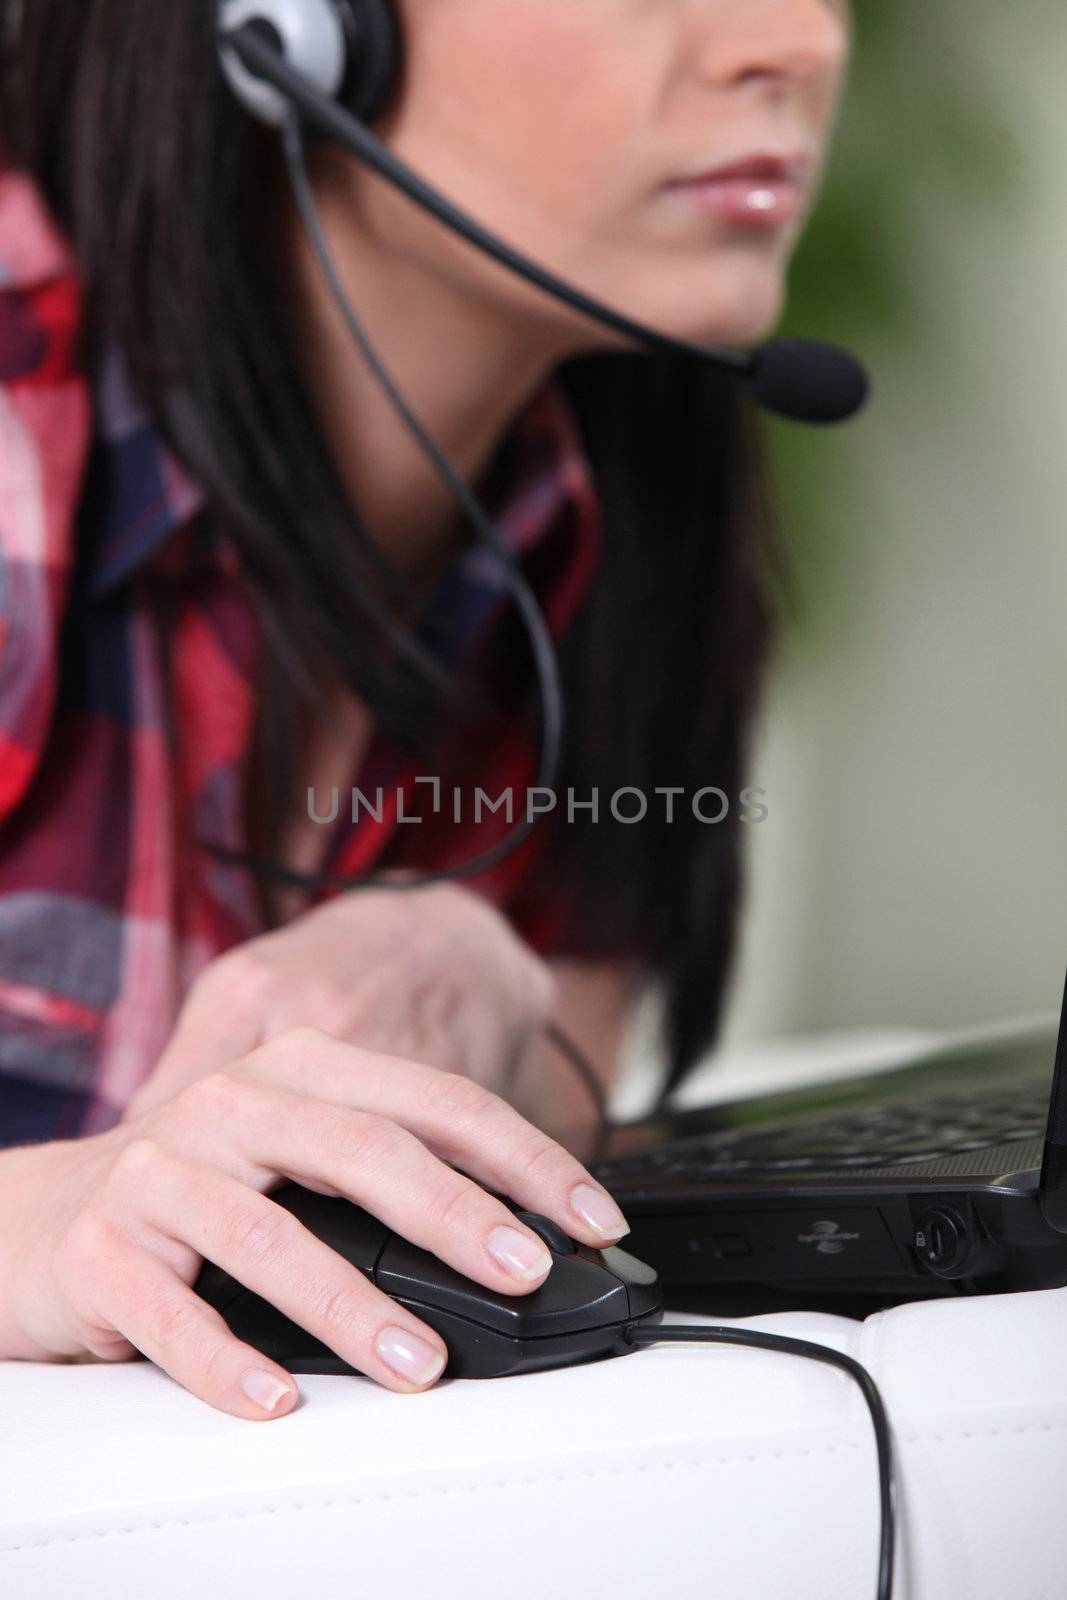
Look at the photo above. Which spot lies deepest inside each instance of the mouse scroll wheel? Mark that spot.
(548, 1231)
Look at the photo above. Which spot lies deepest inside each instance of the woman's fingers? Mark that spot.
(388, 1133)
(380, 1165)
(264, 1247)
(460, 1120)
(149, 1304)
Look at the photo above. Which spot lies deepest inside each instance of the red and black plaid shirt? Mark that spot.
(122, 620)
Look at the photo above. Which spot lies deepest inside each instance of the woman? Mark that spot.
(234, 586)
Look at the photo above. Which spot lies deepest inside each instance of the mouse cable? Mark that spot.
(638, 1334)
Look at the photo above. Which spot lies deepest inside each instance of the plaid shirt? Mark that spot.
(124, 624)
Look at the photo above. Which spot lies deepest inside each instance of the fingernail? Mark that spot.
(264, 1389)
(598, 1210)
(518, 1254)
(409, 1356)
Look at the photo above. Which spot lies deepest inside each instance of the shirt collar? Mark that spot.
(138, 495)
(540, 495)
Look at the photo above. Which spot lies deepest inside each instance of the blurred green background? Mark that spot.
(913, 868)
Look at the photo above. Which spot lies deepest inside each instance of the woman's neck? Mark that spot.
(465, 372)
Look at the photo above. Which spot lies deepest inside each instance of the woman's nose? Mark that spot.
(776, 41)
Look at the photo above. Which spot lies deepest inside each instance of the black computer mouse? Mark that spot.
(575, 1315)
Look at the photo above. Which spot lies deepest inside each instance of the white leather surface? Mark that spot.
(676, 1470)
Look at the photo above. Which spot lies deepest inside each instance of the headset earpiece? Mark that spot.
(374, 55)
(349, 49)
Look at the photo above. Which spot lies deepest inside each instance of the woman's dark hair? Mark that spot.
(121, 116)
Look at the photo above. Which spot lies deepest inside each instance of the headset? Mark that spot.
(351, 49)
(335, 66)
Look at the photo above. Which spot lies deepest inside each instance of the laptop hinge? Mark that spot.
(1054, 1186)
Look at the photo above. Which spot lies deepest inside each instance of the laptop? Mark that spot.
(944, 1176)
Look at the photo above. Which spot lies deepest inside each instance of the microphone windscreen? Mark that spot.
(808, 380)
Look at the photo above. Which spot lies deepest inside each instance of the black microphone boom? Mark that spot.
(799, 378)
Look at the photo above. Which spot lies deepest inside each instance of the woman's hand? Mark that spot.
(104, 1236)
(435, 974)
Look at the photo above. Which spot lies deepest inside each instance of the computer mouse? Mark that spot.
(574, 1316)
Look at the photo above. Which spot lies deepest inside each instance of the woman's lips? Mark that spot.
(762, 191)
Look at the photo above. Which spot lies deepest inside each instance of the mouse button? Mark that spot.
(405, 1269)
(578, 1293)
(628, 1267)
(642, 1282)
(574, 1296)
(353, 1233)
(548, 1232)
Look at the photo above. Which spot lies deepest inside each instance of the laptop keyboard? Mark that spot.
(880, 1135)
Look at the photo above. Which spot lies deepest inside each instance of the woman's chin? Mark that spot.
(727, 306)
(733, 308)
